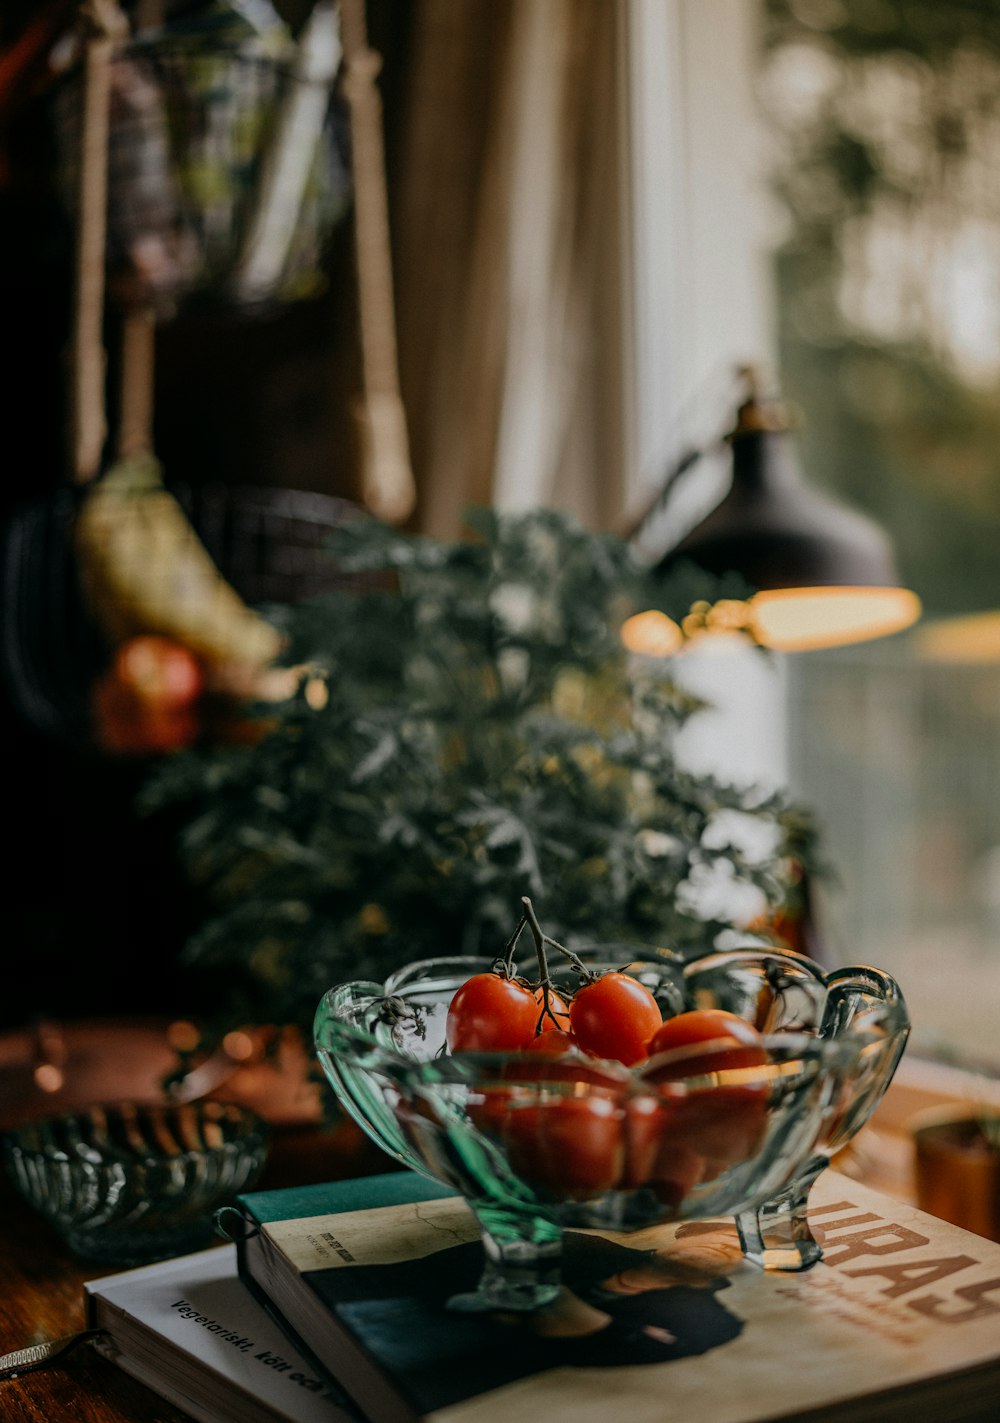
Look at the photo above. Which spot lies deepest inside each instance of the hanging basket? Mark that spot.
(204, 199)
(50, 649)
(227, 161)
(269, 545)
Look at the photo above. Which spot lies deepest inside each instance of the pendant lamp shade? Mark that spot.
(825, 574)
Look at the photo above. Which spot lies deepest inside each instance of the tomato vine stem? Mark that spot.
(504, 962)
(542, 941)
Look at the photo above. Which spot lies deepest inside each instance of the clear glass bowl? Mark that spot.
(134, 1182)
(536, 1144)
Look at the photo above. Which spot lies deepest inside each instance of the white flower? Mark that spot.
(714, 892)
(657, 844)
(515, 606)
(755, 836)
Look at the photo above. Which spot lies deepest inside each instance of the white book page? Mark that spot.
(198, 1304)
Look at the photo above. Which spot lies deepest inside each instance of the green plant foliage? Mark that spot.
(484, 736)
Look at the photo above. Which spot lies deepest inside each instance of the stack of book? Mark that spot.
(334, 1307)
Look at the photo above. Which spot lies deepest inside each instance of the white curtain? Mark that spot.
(509, 272)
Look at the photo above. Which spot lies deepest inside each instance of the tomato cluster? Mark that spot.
(612, 1016)
(147, 701)
(493, 1012)
(646, 1118)
(158, 696)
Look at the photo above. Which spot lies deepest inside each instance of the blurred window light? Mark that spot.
(885, 129)
(807, 619)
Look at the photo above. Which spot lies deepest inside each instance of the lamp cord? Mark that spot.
(742, 380)
(755, 411)
(633, 527)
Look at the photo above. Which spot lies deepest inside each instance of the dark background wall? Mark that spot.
(94, 908)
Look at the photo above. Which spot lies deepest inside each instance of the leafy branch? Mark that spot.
(483, 736)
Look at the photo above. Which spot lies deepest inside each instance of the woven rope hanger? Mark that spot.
(105, 27)
(387, 484)
(123, 541)
(142, 566)
(386, 477)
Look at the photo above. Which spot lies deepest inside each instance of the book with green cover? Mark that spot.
(663, 1325)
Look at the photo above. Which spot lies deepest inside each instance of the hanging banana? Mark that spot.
(144, 569)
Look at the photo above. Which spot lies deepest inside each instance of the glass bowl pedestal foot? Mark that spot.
(522, 1261)
(777, 1235)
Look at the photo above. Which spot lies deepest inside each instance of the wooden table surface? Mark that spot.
(41, 1298)
(41, 1294)
(41, 1284)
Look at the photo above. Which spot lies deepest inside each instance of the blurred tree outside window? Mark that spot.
(885, 119)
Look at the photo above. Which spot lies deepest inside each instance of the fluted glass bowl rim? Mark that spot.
(246, 1135)
(832, 1040)
(829, 1050)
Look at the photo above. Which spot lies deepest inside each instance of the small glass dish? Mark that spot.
(131, 1182)
(537, 1144)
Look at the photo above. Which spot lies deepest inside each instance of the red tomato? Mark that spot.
(125, 725)
(570, 1147)
(614, 1016)
(707, 1130)
(557, 1018)
(661, 1152)
(490, 1013)
(663, 1155)
(674, 1143)
(147, 702)
(644, 1123)
(738, 1044)
(537, 1076)
(488, 1108)
(720, 1126)
(538, 1068)
(553, 1041)
(162, 672)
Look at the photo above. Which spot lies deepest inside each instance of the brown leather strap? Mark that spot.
(39, 1356)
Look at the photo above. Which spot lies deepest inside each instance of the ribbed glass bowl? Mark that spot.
(129, 1183)
(536, 1144)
